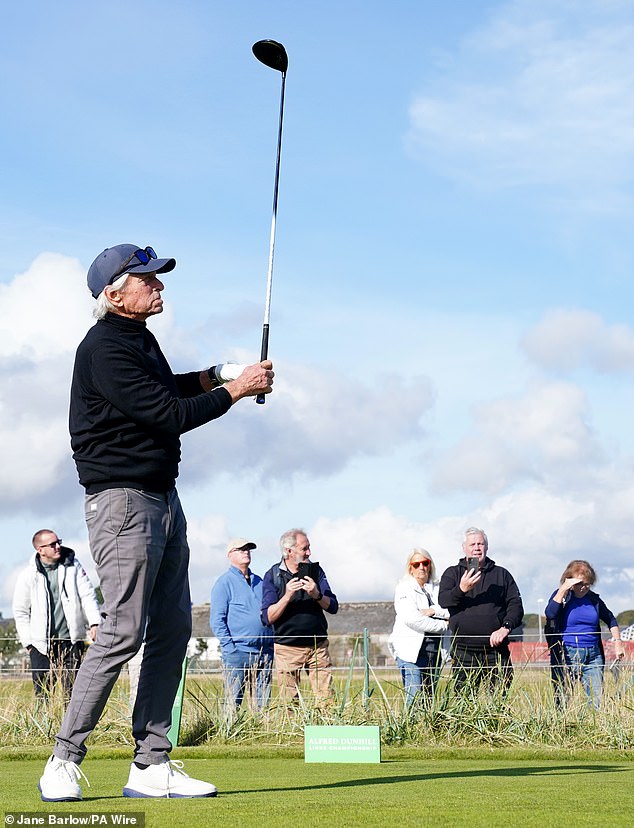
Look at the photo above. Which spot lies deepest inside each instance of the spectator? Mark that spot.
(484, 605)
(53, 603)
(418, 628)
(293, 603)
(247, 645)
(556, 658)
(578, 612)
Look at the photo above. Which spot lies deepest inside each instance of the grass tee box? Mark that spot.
(342, 743)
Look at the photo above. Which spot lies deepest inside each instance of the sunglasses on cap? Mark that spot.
(142, 255)
(424, 562)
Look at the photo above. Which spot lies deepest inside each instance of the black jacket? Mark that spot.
(303, 621)
(128, 410)
(493, 602)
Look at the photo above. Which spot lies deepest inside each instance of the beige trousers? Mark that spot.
(289, 663)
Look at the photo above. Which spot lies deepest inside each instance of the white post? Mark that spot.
(540, 601)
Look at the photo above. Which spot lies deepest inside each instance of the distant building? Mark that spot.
(345, 631)
(627, 634)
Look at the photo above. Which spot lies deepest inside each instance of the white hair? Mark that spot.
(473, 530)
(104, 305)
(289, 540)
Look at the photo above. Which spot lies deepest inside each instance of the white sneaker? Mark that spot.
(60, 781)
(166, 780)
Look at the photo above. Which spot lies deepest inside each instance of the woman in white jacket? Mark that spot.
(419, 626)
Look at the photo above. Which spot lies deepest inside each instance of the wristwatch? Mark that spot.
(507, 625)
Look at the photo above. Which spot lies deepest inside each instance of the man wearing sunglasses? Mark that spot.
(127, 413)
(54, 605)
(484, 605)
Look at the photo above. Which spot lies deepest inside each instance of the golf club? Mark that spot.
(272, 54)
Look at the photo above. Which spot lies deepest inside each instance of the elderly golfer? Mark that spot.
(127, 412)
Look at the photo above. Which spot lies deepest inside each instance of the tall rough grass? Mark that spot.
(526, 716)
(26, 721)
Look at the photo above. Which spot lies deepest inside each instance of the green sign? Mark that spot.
(342, 743)
(177, 708)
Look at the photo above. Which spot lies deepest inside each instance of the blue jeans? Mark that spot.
(242, 669)
(139, 545)
(585, 664)
(421, 676)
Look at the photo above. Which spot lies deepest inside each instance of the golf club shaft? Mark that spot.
(264, 352)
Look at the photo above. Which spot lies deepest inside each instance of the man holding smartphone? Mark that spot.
(295, 596)
(484, 605)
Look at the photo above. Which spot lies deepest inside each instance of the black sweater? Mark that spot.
(128, 410)
(303, 621)
(494, 601)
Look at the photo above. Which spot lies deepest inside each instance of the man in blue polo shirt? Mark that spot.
(247, 645)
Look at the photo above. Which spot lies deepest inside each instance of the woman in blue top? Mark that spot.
(577, 612)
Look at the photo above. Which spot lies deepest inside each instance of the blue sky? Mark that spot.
(451, 321)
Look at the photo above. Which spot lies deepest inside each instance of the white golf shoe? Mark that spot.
(165, 780)
(60, 781)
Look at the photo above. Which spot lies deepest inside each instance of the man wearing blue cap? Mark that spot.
(127, 412)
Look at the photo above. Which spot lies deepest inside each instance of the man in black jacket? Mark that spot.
(295, 595)
(484, 605)
(127, 412)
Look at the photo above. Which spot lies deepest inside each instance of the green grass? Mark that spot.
(526, 718)
(263, 787)
(478, 761)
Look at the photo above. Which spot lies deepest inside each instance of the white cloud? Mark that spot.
(364, 556)
(44, 315)
(542, 435)
(207, 537)
(546, 490)
(315, 425)
(542, 94)
(533, 534)
(45, 310)
(567, 340)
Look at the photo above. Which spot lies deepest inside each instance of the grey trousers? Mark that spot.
(138, 541)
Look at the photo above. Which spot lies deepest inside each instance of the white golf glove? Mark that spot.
(227, 371)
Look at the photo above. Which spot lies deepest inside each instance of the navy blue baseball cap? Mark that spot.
(124, 258)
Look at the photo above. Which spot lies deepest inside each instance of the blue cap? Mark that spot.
(113, 262)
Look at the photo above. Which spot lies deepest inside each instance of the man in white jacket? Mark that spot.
(53, 603)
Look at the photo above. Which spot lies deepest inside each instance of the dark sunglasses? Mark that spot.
(143, 255)
(55, 543)
(424, 562)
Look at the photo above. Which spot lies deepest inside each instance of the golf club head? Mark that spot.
(272, 54)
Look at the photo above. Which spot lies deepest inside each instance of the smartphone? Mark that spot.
(308, 569)
(473, 564)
